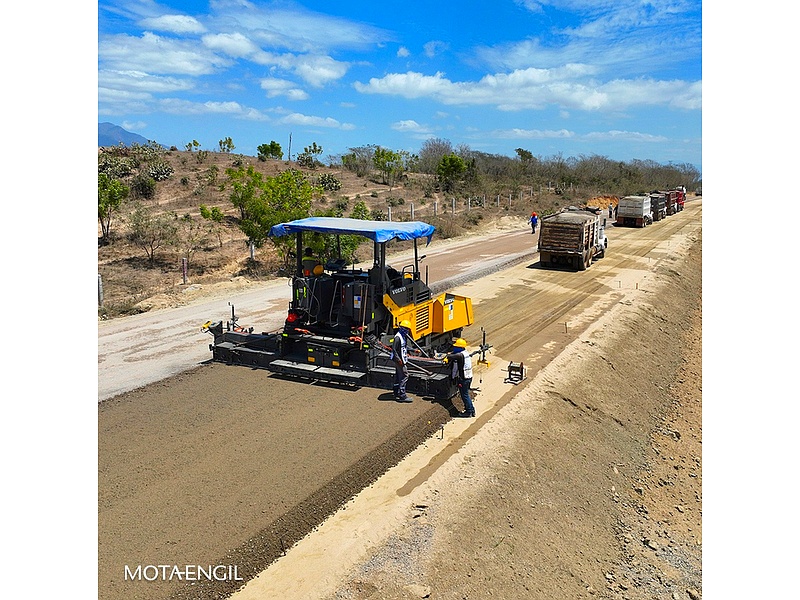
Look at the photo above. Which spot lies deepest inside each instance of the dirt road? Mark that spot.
(226, 465)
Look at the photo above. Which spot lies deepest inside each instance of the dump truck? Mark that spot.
(341, 320)
(680, 201)
(671, 197)
(634, 211)
(572, 237)
(658, 206)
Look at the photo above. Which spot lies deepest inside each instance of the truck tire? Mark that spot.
(544, 259)
(580, 261)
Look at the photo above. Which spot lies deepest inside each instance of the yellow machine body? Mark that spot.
(445, 313)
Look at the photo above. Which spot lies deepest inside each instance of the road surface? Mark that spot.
(229, 465)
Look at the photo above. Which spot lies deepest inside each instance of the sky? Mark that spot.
(615, 78)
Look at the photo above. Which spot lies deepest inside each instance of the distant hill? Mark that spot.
(109, 134)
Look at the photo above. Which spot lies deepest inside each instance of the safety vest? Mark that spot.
(467, 365)
(399, 347)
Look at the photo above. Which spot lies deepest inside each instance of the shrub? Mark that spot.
(160, 170)
(306, 160)
(329, 183)
(115, 166)
(143, 186)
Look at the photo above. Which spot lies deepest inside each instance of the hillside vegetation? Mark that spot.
(172, 218)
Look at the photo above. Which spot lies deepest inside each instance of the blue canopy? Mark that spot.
(378, 231)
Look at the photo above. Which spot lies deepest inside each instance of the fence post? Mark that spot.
(454, 206)
(435, 207)
(184, 268)
(99, 290)
(412, 211)
(390, 213)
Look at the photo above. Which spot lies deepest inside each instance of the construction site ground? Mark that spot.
(584, 480)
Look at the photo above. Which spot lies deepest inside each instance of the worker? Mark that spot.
(610, 210)
(400, 358)
(534, 221)
(462, 371)
(311, 266)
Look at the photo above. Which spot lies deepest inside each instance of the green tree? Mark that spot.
(359, 160)
(216, 217)
(524, 155)
(328, 247)
(271, 150)
(151, 231)
(391, 165)
(192, 145)
(190, 235)
(226, 145)
(246, 184)
(308, 156)
(431, 154)
(269, 201)
(110, 195)
(360, 211)
(450, 168)
(143, 186)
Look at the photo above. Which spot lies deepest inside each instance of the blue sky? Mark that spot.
(616, 78)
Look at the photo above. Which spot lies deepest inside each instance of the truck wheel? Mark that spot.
(580, 262)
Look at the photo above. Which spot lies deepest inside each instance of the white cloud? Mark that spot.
(434, 47)
(296, 29)
(403, 52)
(155, 54)
(140, 81)
(531, 5)
(624, 37)
(134, 126)
(624, 136)
(282, 87)
(114, 96)
(406, 125)
(232, 44)
(413, 129)
(532, 134)
(319, 70)
(173, 24)
(234, 109)
(534, 89)
(309, 120)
